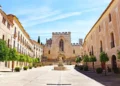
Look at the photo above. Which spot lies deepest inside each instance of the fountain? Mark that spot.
(60, 64)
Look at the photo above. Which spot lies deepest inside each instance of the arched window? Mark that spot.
(8, 42)
(61, 45)
(112, 40)
(92, 51)
(101, 49)
(3, 37)
(73, 51)
(49, 52)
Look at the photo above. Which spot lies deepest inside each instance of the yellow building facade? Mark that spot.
(105, 35)
(60, 43)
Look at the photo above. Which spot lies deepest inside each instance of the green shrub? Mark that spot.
(17, 69)
(99, 70)
(25, 68)
(85, 68)
(81, 67)
(35, 66)
(116, 70)
(30, 67)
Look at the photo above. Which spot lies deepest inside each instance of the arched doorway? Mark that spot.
(114, 63)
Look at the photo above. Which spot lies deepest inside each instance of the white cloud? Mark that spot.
(44, 20)
(39, 17)
(78, 29)
(32, 16)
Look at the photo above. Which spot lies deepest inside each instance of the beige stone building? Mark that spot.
(105, 35)
(12, 31)
(5, 32)
(60, 44)
(38, 50)
(20, 38)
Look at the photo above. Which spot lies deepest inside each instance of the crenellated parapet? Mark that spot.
(61, 33)
(75, 44)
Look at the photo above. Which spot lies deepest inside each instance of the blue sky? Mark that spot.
(42, 17)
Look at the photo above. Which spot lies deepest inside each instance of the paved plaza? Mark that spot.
(45, 76)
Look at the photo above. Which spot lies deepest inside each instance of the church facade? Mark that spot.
(60, 44)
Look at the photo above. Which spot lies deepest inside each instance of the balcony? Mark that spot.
(18, 38)
(15, 35)
(112, 44)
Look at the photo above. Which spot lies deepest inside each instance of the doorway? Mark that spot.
(114, 63)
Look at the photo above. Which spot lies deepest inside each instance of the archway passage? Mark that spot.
(114, 63)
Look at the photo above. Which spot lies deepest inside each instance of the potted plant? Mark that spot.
(99, 70)
(103, 59)
(86, 59)
(17, 69)
(25, 68)
(93, 59)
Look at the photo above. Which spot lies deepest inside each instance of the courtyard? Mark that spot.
(46, 76)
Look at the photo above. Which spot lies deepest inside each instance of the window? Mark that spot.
(3, 20)
(3, 37)
(99, 28)
(110, 18)
(18, 47)
(61, 45)
(23, 40)
(8, 25)
(92, 53)
(15, 31)
(19, 35)
(49, 52)
(8, 42)
(73, 51)
(14, 44)
(112, 41)
(101, 49)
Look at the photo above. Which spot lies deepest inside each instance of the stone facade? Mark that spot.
(61, 44)
(12, 31)
(38, 50)
(104, 35)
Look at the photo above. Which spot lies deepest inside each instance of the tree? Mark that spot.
(93, 59)
(103, 59)
(27, 59)
(39, 39)
(78, 60)
(30, 60)
(86, 59)
(118, 54)
(13, 56)
(4, 50)
(22, 59)
(36, 60)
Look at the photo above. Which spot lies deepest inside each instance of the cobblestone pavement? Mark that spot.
(46, 76)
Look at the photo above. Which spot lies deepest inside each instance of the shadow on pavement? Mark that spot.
(110, 80)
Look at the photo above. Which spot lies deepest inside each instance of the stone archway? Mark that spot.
(113, 61)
